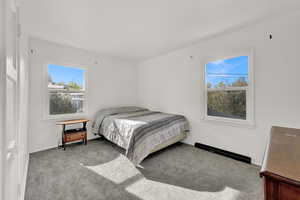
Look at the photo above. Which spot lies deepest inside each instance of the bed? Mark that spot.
(138, 130)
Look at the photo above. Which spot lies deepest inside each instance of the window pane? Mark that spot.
(228, 104)
(231, 72)
(65, 103)
(66, 89)
(65, 78)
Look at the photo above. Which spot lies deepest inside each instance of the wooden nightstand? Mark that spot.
(72, 135)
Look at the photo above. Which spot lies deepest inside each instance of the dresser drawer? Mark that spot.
(288, 192)
(75, 136)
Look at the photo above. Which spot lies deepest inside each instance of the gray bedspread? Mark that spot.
(138, 130)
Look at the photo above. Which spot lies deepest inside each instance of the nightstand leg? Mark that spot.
(85, 139)
(84, 128)
(63, 137)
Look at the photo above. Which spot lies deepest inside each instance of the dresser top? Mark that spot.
(282, 157)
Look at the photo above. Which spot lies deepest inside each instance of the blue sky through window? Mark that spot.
(227, 71)
(66, 74)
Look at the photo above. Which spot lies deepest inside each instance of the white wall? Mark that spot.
(173, 83)
(23, 103)
(23, 109)
(111, 82)
(2, 93)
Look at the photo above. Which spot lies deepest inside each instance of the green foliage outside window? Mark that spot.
(61, 104)
(73, 86)
(227, 103)
(231, 104)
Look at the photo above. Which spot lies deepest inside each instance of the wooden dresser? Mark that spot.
(281, 166)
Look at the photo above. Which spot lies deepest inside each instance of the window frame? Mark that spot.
(46, 105)
(249, 121)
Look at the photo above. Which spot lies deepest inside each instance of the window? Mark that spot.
(228, 89)
(66, 90)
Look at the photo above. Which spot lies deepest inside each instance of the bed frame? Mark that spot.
(169, 142)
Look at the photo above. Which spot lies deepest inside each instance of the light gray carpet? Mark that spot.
(100, 171)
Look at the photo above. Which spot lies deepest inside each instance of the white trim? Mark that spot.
(249, 122)
(230, 122)
(24, 180)
(2, 122)
(66, 116)
(45, 96)
(90, 137)
(227, 89)
(11, 72)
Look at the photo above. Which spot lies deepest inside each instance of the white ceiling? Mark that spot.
(139, 29)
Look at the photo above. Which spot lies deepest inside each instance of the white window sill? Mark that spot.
(230, 122)
(65, 116)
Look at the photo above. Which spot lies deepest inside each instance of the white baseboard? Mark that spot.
(90, 137)
(23, 184)
(254, 162)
